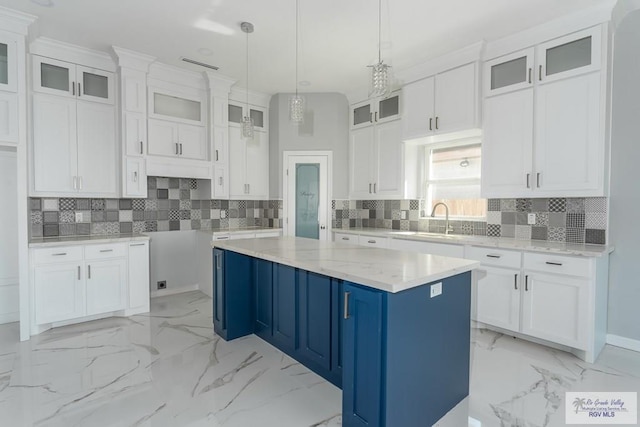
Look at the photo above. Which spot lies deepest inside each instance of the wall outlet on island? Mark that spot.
(531, 219)
(436, 289)
(162, 284)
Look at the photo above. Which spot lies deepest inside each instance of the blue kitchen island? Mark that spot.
(391, 328)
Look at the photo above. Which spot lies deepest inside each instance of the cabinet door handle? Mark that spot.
(369, 188)
(73, 88)
(106, 250)
(59, 254)
(79, 183)
(89, 271)
(529, 75)
(375, 191)
(526, 283)
(370, 117)
(216, 155)
(78, 272)
(528, 176)
(430, 123)
(141, 147)
(376, 116)
(222, 238)
(79, 90)
(345, 238)
(177, 149)
(135, 176)
(554, 263)
(220, 181)
(437, 122)
(494, 256)
(371, 241)
(181, 148)
(137, 244)
(248, 188)
(75, 182)
(515, 281)
(346, 305)
(540, 73)
(538, 180)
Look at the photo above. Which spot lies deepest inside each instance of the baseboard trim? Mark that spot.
(9, 317)
(622, 342)
(180, 290)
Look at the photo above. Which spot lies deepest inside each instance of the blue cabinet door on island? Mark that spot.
(314, 319)
(232, 299)
(284, 308)
(263, 294)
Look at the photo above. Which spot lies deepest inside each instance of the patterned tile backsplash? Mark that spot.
(171, 205)
(572, 220)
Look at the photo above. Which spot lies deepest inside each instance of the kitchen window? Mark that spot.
(453, 177)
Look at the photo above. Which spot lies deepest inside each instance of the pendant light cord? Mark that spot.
(297, 17)
(379, 30)
(247, 74)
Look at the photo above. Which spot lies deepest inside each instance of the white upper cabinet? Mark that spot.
(544, 120)
(361, 163)
(179, 107)
(441, 104)
(377, 110)
(66, 79)
(509, 73)
(177, 140)
(568, 56)
(134, 133)
(249, 157)
(9, 117)
(8, 68)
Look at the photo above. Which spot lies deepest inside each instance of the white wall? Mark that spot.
(173, 258)
(9, 290)
(624, 232)
(326, 127)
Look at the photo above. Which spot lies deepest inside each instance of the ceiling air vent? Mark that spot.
(202, 64)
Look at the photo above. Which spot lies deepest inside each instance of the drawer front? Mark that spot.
(493, 256)
(106, 251)
(58, 254)
(378, 242)
(240, 236)
(221, 237)
(268, 234)
(549, 263)
(346, 238)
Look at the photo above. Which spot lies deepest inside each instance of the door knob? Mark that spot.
(322, 227)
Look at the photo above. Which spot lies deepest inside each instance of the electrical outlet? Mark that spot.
(403, 214)
(223, 214)
(436, 289)
(531, 219)
(79, 217)
(162, 284)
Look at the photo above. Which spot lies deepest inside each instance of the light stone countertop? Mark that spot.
(384, 269)
(560, 248)
(45, 242)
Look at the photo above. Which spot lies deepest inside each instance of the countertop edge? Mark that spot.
(86, 240)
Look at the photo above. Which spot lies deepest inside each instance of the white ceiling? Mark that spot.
(338, 38)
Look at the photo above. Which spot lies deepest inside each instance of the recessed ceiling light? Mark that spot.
(205, 51)
(304, 83)
(43, 3)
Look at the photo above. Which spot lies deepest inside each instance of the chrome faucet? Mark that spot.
(447, 228)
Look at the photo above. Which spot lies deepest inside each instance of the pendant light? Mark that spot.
(296, 103)
(380, 72)
(247, 121)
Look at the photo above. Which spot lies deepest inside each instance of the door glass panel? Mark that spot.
(509, 73)
(307, 200)
(4, 64)
(54, 77)
(362, 114)
(235, 114)
(569, 56)
(258, 118)
(389, 107)
(95, 85)
(176, 107)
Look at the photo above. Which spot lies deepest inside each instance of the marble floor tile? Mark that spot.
(168, 368)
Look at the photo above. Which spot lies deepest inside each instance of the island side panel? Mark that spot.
(234, 287)
(427, 352)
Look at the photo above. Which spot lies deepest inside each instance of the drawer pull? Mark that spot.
(494, 256)
(346, 305)
(515, 281)
(137, 244)
(526, 283)
(553, 263)
(106, 250)
(345, 238)
(371, 241)
(222, 238)
(59, 254)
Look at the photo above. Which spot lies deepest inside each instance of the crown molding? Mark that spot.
(126, 58)
(15, 21)
(45, 46)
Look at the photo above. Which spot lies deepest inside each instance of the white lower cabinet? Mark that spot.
(498, 297)
(70, 283)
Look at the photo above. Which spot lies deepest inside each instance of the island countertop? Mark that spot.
(383, 269)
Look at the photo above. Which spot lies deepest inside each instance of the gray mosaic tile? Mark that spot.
(185, 195)
(111, 204)
(508, 230)
(596, 220)
(508, 218)
(151, 205)
(49, 204)
(67, 217)
(522, 218)
(138, 226)
(112, 216)
(195, 204)
(97, 216)
(138, 204)
(493, 205)
(162, 182)
(196, 214)
(493, 230)
(97, 204)
(539, 205)
(174, 204)
(162, 193)
(575, 220)
(185, 224)
(539, 233)
(86, 216)
(523, 205)
(35, 204)
(174, 183)
(542, 219)
(557, 219)
(67, 204)
(494, 217)
(138, 216)
(68, 230)
(185, 215)
(50, 217)
(125, 216)
(193, 184)
(36, 217)
(150, 215)
(595, 204)
(575, 235)
(575, 205)
(556, 234)
(50, 230)
(164, 205)
(163, 226)
(36, 230)
(557, 205)
(185, 204)
(126, 227)
(150, 226)
(184, 183)
(595, 236)
(83, 229)
(523, 232)
(507, 205)
(152, 183)
(83, 204)
(163, 215)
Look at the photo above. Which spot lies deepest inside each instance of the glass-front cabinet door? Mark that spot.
(388, 108)
(508, 73)
(361, 115)
(94, 85)
(8, 70)
(577, 53)
(54, 77)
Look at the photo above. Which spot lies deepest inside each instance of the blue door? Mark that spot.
(263, 284)
(314, 319)
(362, 357)
(232, 304)
(337, 311)
(218, 292)
(284, 308)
